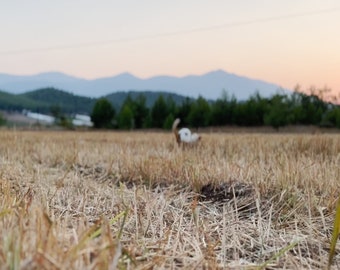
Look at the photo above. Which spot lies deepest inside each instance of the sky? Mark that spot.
(288, 42)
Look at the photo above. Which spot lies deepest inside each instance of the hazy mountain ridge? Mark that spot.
(209, 85)
(42, 100)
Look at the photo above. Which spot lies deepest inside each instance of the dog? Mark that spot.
(184, 135)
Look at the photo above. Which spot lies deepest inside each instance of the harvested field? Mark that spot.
(134, 200)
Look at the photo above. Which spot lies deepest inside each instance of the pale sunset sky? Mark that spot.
(283, 42)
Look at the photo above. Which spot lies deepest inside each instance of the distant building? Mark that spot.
(79, 120)
(82, 120)
(41, 118)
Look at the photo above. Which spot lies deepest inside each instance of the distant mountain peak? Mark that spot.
(209, 85)
(127, 75)
(55, 75)
(217, 71)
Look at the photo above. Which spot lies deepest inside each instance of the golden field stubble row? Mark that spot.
(266, 159)
(306, 164)
(70, 174)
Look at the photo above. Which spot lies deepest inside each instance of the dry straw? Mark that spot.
(107, 200)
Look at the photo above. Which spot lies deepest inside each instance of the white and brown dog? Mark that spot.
(184, 135)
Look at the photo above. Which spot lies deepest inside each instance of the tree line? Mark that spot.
(281, 109)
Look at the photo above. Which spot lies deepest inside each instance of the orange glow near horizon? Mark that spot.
(288, 44)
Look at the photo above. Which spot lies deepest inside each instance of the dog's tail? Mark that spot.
(175, 130)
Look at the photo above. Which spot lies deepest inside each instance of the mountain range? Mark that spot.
(209, 85)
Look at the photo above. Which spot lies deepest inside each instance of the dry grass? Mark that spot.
(105, 200)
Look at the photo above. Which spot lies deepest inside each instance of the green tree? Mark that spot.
(59, 116)
(169, 121)
(125, 118)
(183, 111)
(2, 120)
(159, 112)
(140, 112)
(277, 113)
(251, 112)
(199, 115)
(102, 114)
(295, 110)
(256, 109)
(310, 107)
(222, 110)
(171, 106)
(332, 117)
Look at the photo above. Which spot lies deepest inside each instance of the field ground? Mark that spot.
(134, 200)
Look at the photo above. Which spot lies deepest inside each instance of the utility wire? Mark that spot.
(168, 34)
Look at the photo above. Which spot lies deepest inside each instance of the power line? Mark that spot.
(168, 34)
